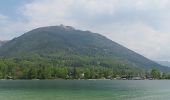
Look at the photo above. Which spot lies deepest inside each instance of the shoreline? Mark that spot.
(82, 79)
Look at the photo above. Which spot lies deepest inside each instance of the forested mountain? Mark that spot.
(62, 51)
(64, 41)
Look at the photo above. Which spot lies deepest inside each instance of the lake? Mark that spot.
(84, 90)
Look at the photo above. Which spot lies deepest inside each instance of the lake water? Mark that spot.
(84, 90)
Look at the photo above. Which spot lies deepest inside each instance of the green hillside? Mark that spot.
(64, 46)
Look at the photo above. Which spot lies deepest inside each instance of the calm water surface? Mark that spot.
(84, 90)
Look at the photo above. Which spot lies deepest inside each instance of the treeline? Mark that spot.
(15, 68)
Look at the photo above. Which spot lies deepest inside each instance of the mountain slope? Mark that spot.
(67, 42)
(2, 42)
(164, 63)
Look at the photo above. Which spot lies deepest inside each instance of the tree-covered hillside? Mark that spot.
(64, 46)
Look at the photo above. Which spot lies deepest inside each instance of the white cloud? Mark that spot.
(141, 25)
(144, 40)
(10, 28)
(3, 18)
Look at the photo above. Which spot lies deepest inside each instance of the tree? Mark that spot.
(164, 76)
(155, 73)
(62, 72)
(87, 73)
(3, 70)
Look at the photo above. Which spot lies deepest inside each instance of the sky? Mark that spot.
(140, 25)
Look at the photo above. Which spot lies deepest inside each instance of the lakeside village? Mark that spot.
(153, 75)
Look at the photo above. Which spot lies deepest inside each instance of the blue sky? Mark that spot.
(141, 25)
(10, 7)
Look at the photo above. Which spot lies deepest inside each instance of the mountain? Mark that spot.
(2, 42)
(65, 42)
(164, 63)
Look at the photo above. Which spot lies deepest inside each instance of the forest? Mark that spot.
(15, 68)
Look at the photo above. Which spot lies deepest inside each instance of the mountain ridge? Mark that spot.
(68, 41)
(164, 63)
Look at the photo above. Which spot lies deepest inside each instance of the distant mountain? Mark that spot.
(2, 42)
(65, 42)
(164, 63)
